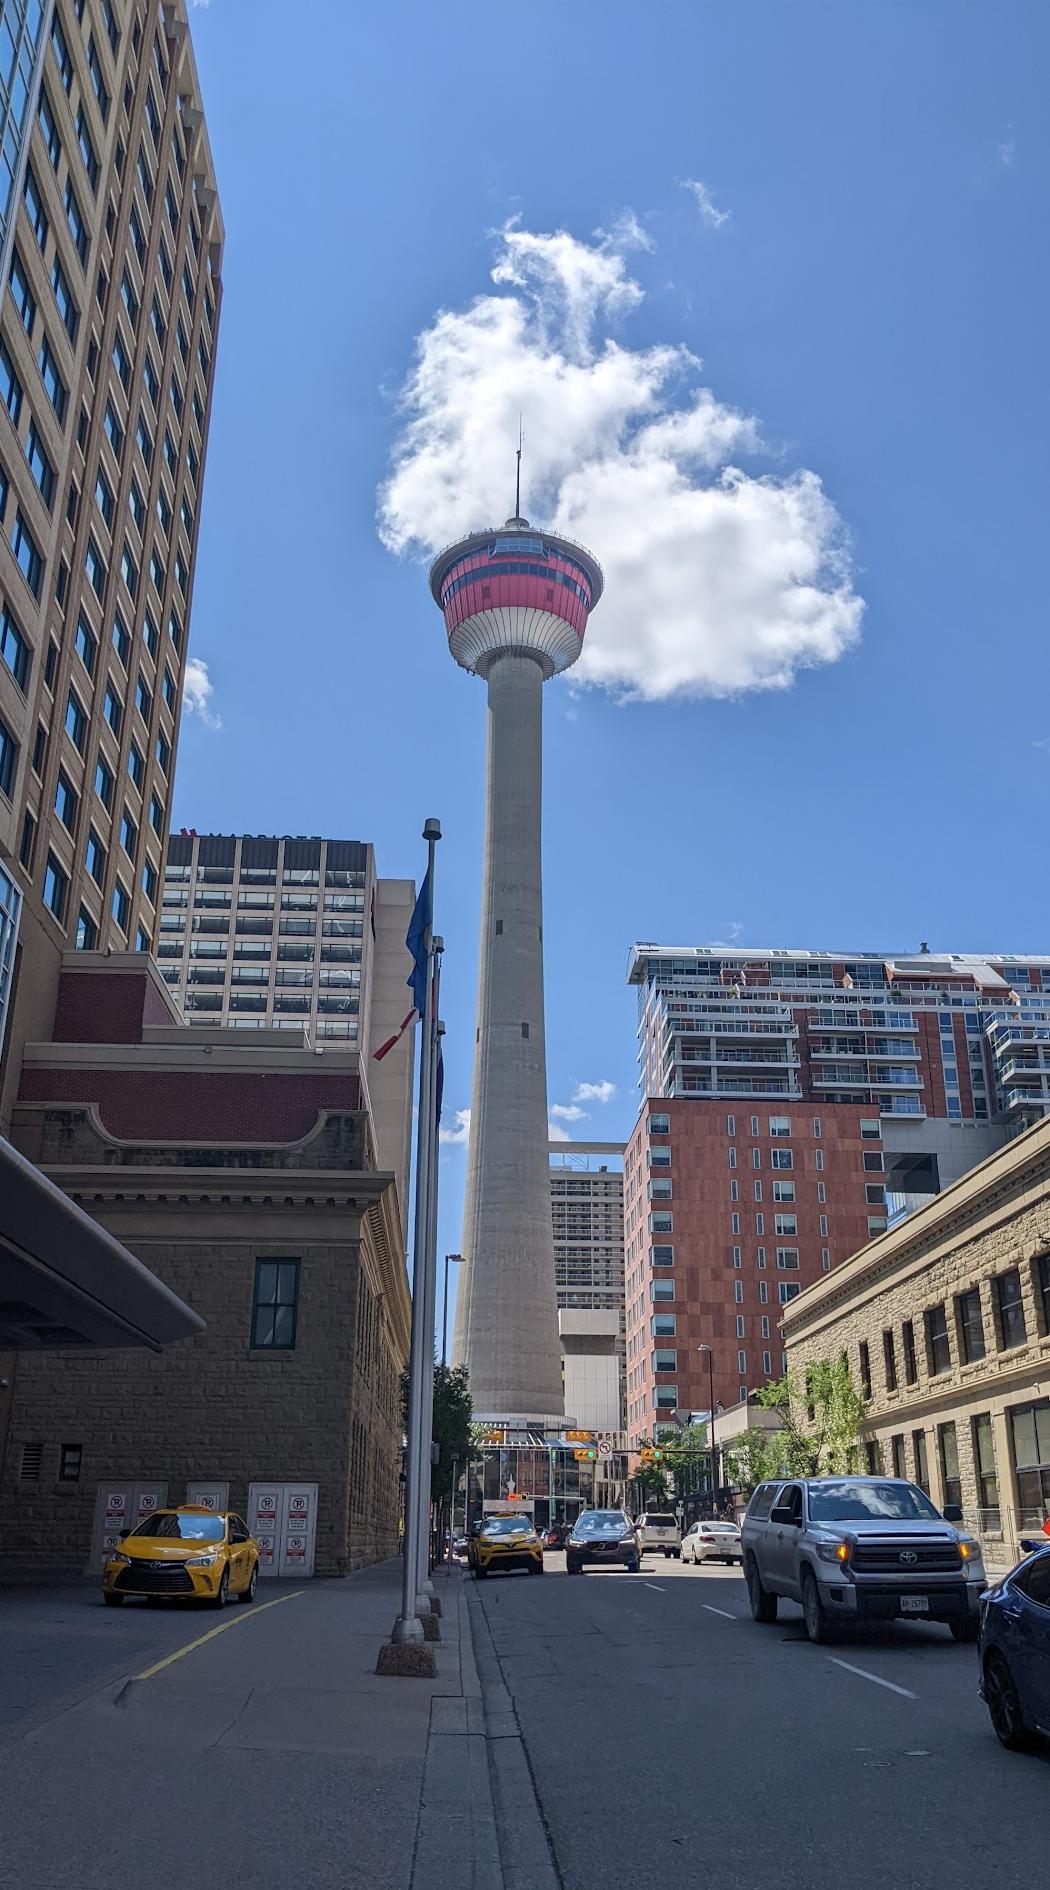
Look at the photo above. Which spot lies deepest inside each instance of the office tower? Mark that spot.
(794, 1103)
(269, 932)
(111, 264)
(515, 604)
(586, 1184)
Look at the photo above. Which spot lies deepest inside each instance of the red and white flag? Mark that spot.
(378, 1055)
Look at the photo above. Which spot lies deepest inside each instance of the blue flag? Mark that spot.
(417, 940)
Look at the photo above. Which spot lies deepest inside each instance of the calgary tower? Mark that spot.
(515, 603)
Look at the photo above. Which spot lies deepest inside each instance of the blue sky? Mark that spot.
(875, 298)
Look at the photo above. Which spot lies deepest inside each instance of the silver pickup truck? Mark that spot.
(859, 1549)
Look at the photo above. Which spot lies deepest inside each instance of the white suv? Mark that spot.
(658, 1529)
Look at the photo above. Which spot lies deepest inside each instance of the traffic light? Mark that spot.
(585, 1456)
(650, 1454)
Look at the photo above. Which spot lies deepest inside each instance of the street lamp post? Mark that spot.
(444, 1309)
(711, 1421)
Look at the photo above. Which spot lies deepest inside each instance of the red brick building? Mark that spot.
(729, 1210)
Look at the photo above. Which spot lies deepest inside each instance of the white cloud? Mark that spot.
(1006, 152)
(732, 929)
(1043, 742)
(455, 1138)
(555, 1133)
(717, 580)
(197, 692)
(594, 1092)
(709, 211)
(568, 1112)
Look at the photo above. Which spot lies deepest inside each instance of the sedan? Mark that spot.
(603, 1535)
(505, 1542)
(712, 1542)
(1014, 1652)
(187, 1554)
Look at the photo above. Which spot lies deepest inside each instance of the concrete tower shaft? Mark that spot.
(515, 604)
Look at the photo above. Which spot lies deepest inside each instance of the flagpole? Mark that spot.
(427, 1412)
(408, 1628)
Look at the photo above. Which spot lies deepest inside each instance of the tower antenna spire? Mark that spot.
(517, 483)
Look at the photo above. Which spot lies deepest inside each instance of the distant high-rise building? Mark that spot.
(264, 932)
(111, 243)
(793, 1104)
(586, 1182)
(515, 604)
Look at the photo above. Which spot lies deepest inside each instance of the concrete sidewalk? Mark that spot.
(272, 1745)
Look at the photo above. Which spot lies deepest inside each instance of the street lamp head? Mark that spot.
(432, 829)
(703, 1348)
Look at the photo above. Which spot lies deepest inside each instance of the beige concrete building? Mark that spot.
(111, 243)
(586, 1183)
(267, 932)
(945, 1320)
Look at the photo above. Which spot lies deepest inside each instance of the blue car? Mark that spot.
(1014, 1651)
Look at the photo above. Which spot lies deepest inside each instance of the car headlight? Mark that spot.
(124, 1561)
(201, 1561)
(832, 1551)
(970, 1552)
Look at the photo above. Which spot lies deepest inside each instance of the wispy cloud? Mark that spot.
(732, 929)
(631, 454)
(709, 211)
(555, 1132)
(455, 1138)
(197, 692)
(1006, 150)
(568, 1112)
(594, 1092)
(1043, 742)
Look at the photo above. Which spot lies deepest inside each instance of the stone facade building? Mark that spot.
(945, 1321)
(243, 1173)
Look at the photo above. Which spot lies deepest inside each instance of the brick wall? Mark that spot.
(180, 1105)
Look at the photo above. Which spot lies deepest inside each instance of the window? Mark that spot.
(14, 649)
(157, 322)
(816, 1127)
(163, 752)
(911, 1370)
(129, 834)
(784, 1224)
(27, 842)
(275, 1304)
(665, 1361)
(659, 1125)
(143, 698)
(165, 263)
(8, 757)
(157, 571)
(787, 1257)
(740, 1325)
(104, 496)
(121, 639)
(787, 1290)
(738, 1292)
(76, 722)
(129, 569)
(900, 1466)
(781, 1158)
(872, 1162)
(87, 932)
(661, 1289)
(121, 361)
(103, 783)
(661, 1223)
(24, 546)
(24, 299)
(94, 565)
(56, 887)
(136, 765)
(970, 1323)
(95, 69)
(35, 208)
(136, 502)
(112, 709)
(175, 633)
(984, 1465)
(10, 385)
(782, 1190)
(938, 1349)
(149, 375)
(61, 52)
(95, 860)
(110, 20)
(75, 221)
(163, 510)
(732, 1158)
(730, 1126)
(142, 940)
(823, 1227)
(889, 1359)
(87, 645)
(1041, 1283)
(1010, 1309)
(150, 633)
(780, 1125)
(948, 1451)
(113, 429)
(156, 814)
(87, 148)
(871, 1131)
(875, 1194)
(145, 439)
(121, 906)
(170, 694)
(49, 128)
(149, 881)
(763, 1292)
(865, 1369)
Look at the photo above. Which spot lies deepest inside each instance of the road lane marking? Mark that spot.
(235, 1621)
(891, 1685)
(655, 1585)
(724, 1612)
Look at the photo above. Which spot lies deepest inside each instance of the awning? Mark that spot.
(65, 1281)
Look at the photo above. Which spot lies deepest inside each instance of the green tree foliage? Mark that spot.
(686, 1456)
(752, 1459)
(453, 1424)
(650, 1485)
(820, 1412)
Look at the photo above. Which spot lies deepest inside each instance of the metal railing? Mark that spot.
(999, 1531)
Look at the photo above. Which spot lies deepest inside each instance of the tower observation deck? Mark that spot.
(515, 603)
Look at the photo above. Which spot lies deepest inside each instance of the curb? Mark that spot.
(456, 1842)
(525, 1850)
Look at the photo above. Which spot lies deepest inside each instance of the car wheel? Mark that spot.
(573, 1568)
(633, 1568)
(222, 1595)
(763, 1604)
(114, 1601)
(1004, 1705)
(535, 1568)
(480, 1573)
(967, 1630)
(818, 1627)
(667, 1555)
(248, 1594)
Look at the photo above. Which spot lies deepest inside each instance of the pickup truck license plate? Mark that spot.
(915, 1604)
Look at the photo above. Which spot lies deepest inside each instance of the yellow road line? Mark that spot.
(170, 1659)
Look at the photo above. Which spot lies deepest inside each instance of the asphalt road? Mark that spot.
(673, 1741)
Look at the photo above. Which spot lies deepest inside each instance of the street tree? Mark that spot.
(452, 1428)
(820, 1412)
(686, 1456)
(650, 1484)
(754, 1458)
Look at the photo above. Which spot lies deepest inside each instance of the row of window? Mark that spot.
(967, 1315)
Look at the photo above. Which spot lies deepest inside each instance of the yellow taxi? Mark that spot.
(505, 1542)
(187, 1554)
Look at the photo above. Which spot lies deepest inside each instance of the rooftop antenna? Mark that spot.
(517, 483)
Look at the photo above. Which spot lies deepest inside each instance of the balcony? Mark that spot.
(1025, 1068)
(758, 1086)
(1035, 1100)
